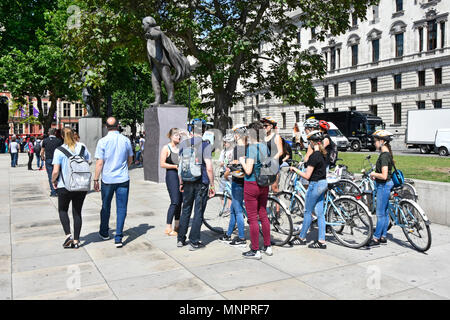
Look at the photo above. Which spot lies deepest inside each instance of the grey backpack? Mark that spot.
(77, 174)
(190, 167)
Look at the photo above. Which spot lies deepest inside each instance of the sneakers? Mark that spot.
(297, 241)
(237, 242)
(383, 241)
(225, 238)
(103, 237)
(119, 244)
(181, 244)
(267, 250)
(317, 245)
(252, 254)
(196, 246)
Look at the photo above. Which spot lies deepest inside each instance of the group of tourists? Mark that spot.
(190, 180)
(241, 162)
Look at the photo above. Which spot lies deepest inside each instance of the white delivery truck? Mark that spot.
(424, 127)
(336, 135)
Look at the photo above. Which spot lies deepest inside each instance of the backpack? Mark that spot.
(268, 169)
(77, 173)
(37, 148)
(397, 177)
(190, 168)
(333, 154)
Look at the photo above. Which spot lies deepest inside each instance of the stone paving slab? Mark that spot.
(33, 264)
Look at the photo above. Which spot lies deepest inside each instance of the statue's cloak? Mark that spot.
(170, 56)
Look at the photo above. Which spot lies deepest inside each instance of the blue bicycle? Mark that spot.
(405, 213)
(347, 217)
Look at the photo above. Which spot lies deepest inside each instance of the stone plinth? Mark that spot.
(90, 130)
(158, 120)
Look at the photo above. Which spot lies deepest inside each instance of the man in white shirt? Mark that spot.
(14, 151)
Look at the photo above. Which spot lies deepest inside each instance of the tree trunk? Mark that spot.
(222, 104)
(133, 130)
(48, 120)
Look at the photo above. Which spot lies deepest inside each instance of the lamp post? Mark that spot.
(135, 78)
(189, 105)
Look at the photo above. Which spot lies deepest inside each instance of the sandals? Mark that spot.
(171, 232)
(68, 243)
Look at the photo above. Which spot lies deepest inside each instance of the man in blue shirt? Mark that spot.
(196, 191)
(114, 155)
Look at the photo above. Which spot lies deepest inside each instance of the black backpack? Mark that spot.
(333, 152)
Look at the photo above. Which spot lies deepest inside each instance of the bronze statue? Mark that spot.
(163, 55)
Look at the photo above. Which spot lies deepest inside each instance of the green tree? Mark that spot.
(246, 42)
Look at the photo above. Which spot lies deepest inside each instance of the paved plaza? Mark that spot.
(33, 264)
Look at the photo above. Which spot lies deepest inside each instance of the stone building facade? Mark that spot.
(396, 60)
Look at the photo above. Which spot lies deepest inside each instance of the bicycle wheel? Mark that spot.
(280, 222)
(346, 187)
(415, 228)
(296, 206)
(350, 222)
(217, 213)
(408, 192)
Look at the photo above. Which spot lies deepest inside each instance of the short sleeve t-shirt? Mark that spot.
(61, 159)
(204, 152)
(252, 153)
(14, 146)
(317, 160)
(50, 144)
(384, 160)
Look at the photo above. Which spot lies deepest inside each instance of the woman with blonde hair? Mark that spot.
(60, 163)
(169, 161)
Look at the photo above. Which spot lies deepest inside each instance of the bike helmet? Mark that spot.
(324, 125)
(240, 129)
(228, 138)
(383, 135)
(311, 123)
(315, 135)
(269, 120)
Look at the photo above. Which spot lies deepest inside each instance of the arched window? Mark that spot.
(397, 30)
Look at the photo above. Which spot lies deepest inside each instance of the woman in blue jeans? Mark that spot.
(382, 176)
(237, 191)
(316, 174)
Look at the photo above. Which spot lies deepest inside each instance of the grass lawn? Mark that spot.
(413, 167)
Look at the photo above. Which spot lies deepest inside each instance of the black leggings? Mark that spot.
(30, 160)
(176, 198)
(64, 199)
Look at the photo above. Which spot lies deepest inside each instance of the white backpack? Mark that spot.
(77, 173)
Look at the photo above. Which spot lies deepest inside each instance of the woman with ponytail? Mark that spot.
(65, 197)
(384, 184)
(316, 174)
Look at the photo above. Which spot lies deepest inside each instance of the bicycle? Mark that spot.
(346, 216)
(217, 216)
(404, 213)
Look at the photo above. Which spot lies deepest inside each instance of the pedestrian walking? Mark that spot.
(255, 196)
(114, 155)
(60, 177)
(37, 152)
(49, 146)
(14, 151)
(169, 160)
(196, 183)
(30, 151)
(316, 174)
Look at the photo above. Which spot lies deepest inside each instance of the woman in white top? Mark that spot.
(14, 150)
(60, 161)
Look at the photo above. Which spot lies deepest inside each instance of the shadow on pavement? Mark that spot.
(132, 233)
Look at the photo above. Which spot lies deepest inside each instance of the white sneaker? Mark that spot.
(267, 250)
